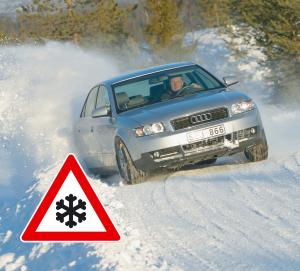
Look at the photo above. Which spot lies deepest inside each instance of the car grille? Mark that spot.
(246, 133)
(200, 118)
(201, 145)
(166, 152)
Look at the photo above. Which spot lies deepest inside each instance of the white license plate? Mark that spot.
(213, 131)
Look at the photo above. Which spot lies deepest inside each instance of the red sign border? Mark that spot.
(31, 235)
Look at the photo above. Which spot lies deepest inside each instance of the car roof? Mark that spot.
(138, 73)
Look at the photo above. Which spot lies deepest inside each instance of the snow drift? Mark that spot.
(42, 90)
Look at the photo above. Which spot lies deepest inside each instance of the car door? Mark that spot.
(85, 132)
(104, 129)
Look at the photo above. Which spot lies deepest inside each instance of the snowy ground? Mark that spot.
(230, 216)
(224, 217)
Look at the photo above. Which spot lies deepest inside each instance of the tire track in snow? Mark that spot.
(203, 230)
(219, 217)
(245, 204)
(274, 214)
(155, 239)
(206, 263)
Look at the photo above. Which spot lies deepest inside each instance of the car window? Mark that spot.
(206, 80)
(91, 102)
(187, 79)
(103, 98)
(137, 88)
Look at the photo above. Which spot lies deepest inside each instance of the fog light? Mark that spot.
(156, 154)
(252, 131)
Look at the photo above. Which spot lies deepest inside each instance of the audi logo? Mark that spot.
(200, 118)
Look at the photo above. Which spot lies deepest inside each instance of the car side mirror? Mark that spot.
(100, 112)
(230, 80)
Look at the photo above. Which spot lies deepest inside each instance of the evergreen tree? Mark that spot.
(73, 20)
(164, 23)
(276, 23)
(44, 19)
(7, 30)
(2, 37)
(214, 13)
(107, 19)
(198, 14)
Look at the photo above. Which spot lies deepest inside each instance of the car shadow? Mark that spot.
(115, 180)
(236, 159)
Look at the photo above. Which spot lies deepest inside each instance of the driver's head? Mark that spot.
(176, 83)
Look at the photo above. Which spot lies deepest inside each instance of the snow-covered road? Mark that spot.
(223, 217)
(233, 215)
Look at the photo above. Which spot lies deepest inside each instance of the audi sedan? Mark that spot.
(166, 117)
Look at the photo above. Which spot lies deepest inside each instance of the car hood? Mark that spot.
(182, 106)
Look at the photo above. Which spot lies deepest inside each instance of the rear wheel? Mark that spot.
(127, 169)
(258, 152)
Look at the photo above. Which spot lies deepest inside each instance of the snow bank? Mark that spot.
(42, 90)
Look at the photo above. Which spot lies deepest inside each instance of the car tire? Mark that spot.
(258, 152)
(126, 167)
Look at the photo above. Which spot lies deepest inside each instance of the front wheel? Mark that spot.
(127, 169)
(258, 152)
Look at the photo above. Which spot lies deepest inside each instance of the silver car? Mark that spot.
(166, 117)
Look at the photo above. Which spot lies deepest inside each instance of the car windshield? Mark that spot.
(163, 86)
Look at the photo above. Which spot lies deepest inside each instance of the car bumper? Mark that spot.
(148, 162)
(172, 149)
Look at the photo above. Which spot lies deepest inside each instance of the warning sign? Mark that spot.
(70, 211)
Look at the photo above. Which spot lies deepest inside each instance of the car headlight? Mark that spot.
(243, 106)
(151, 129)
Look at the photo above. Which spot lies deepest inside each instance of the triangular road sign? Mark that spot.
(70, 211)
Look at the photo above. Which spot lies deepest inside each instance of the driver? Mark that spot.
(176, 86)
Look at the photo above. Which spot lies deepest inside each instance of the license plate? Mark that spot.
(213, 131)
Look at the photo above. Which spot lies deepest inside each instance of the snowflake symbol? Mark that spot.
(71, 210)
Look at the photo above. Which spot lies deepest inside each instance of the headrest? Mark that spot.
(157, 88)
(122, 98)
